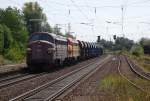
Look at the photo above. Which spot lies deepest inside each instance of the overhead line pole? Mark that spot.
(69, 24)
(122, 9)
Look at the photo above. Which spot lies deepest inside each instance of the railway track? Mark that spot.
(136, 71)
(129, 79)
(12, 77)
(16, 79)
(54, 88)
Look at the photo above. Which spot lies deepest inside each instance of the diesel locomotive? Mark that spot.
(49, 49)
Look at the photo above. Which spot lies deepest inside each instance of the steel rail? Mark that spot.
(57, 81)
(12, 77)
(135, 71)
(132, 83)
(11, 82)
(55, 95)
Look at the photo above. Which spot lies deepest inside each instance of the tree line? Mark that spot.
(17, 24)
(124, 44)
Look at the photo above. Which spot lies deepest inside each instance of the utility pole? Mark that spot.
(122, 9)
(69, 28)
(107, 29)
(69, 25)
(57, 29)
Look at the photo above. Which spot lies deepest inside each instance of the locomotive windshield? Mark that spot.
(41, 36)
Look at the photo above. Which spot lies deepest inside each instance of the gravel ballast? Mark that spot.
(22, 87)
(88, 90)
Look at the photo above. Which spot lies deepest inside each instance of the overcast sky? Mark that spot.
(104, 15)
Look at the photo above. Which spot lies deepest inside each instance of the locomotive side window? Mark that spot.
(41, 36)
(61, 42)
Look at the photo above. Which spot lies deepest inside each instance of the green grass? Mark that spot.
(4, 61)
(120, 90)
(143, 61)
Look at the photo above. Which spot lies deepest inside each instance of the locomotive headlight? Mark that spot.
(29, 49)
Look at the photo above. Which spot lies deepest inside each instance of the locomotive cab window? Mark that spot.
(41, 36)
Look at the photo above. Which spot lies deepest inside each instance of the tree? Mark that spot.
(144, 41)
(106, 44)
(123, 43)
(13, 33)
(1, 40)
(35, 18)
(13, 22)
(137, 50)
(8, 39)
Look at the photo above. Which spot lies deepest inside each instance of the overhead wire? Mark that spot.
(104, 6)
(79, 9)
(52, 15)
(139, 2)
(133, 4)
(92, 27)
(97, 7)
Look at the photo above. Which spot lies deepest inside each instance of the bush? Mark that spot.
(15, 53)
(137, 50)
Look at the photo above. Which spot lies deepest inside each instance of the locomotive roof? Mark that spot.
(73, 40)
(54, 36)
(58, 37)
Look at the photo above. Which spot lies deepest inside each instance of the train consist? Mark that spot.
(50, 49)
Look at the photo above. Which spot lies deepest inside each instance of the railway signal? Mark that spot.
(115, 37)
(99, 38)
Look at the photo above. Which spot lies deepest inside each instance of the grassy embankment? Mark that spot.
(143, 62)
(116, 88)
(4, 61)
